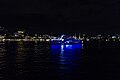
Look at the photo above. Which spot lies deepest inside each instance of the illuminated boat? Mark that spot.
(63, 40)
(66, 42)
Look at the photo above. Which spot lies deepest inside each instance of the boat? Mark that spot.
(63, 40)
(71, 41)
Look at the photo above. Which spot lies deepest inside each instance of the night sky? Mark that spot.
(61, 15)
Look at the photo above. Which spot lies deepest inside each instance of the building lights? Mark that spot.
(87, 39)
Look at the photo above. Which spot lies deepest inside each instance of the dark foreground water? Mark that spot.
(40, 61)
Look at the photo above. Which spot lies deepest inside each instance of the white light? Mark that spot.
(87, 39)
(3, 39)
(62, 46)
(82, 45)
(62, 49)
(62, 39)
(68, 46)
(67, 41)
(113, 37)
(82, 41)
(47, 39)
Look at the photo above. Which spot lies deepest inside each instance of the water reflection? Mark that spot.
(28, 61)
(2, 60)
(67, 57)
(62, 49)
(33, 61)
(40, 60)
(20, 61)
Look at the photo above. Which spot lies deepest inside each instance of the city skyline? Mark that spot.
(5, 30)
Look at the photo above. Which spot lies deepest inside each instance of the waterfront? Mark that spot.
(43, 61)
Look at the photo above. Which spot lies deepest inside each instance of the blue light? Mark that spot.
(67, 42)
(66, 46)
(55, 46)
(69, 46)
(65, 54)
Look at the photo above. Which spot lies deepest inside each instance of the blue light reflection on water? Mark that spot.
(66, 46)
(65, 56)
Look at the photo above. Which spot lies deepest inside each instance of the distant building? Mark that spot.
(20, 34)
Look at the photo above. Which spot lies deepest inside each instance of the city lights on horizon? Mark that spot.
(22, 35)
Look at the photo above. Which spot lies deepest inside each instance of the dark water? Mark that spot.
(40, 61)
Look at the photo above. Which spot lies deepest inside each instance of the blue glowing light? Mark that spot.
(65, 54)
(67, 46)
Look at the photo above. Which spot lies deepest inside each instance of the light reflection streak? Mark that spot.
(3, 64)
(20, 59)
(66, 56)
(62, 49)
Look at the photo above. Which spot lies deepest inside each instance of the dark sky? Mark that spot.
(61, 15)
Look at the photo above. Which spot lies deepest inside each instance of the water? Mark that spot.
(40, 61)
